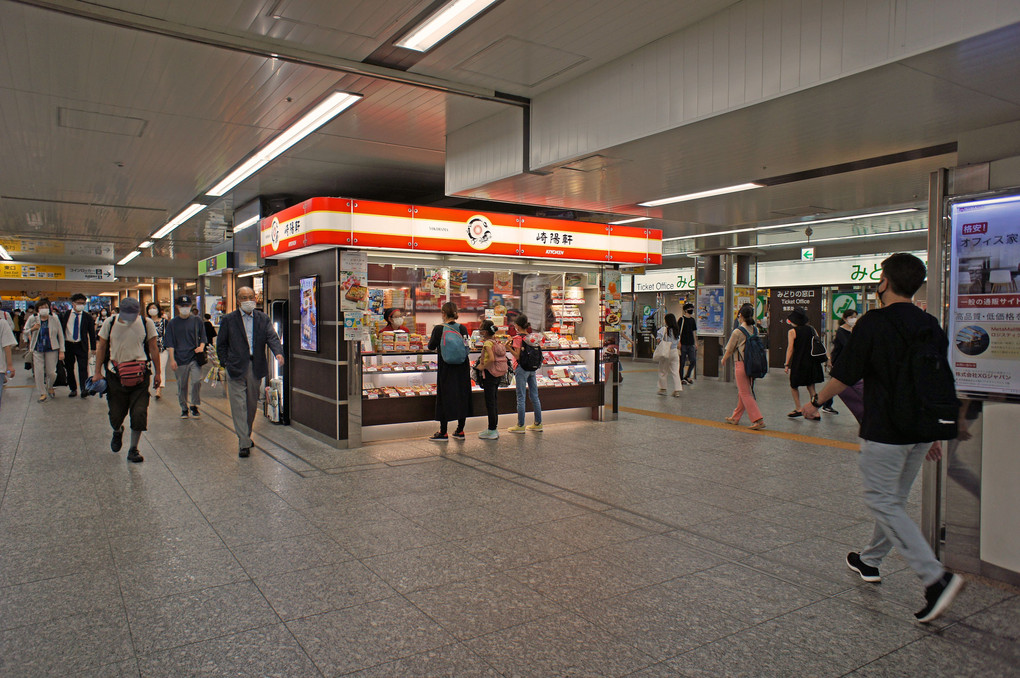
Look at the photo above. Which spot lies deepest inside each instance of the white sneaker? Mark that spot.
(489, 435)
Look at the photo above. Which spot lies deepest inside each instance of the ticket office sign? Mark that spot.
(323, 222)
(984, 304)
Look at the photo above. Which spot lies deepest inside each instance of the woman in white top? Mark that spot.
(735, 348)
(670, 365)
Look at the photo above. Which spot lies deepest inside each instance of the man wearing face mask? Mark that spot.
(185, 343)
(241, 347)
(893, 449)
(127, 344)
(80, 342)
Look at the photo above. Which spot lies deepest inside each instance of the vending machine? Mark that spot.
(278, 385)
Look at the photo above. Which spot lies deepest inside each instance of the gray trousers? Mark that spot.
(45, 370)
(244, 403)
(190, 374)
(887, 472)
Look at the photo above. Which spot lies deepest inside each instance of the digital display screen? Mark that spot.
(309, 313)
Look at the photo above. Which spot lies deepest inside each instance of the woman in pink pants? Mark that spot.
(735, 349)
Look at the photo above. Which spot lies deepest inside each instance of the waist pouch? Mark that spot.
(130, 373)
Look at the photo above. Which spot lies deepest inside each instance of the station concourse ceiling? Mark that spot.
(116, 114)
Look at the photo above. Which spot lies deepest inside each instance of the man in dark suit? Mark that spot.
(241, 348)
(79, 343)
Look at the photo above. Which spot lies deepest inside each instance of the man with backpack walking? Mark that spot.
(126, 344)
(910, 406)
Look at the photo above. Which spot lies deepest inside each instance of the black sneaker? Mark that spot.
(830, 410)
(938, 596)
(84, 394)
(867, 572)
(244, 452)
(184, 413)
(134, 457)
(117, 441)
(459, 435)
(72, 394)
(194, 412)
(440, 437)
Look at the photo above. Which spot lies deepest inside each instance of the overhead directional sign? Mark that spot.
(79, 273)
(807, 253)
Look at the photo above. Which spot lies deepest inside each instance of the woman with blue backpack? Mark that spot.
(744, 339)
(453, 375)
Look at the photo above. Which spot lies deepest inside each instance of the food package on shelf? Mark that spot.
(387, 337)
(401, 341)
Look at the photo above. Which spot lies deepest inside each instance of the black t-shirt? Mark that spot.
(688, 326)
(874, 353)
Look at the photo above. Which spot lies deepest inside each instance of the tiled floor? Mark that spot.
(648, 546)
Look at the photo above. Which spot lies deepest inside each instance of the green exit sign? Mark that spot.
(807, 254)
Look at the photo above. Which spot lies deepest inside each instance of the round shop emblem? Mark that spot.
(479, 232)
(274, 233)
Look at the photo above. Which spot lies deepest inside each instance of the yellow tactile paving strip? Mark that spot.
(811, 440)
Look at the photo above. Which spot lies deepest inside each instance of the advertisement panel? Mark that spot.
(309, 313)
(984, 304)
(710, 310)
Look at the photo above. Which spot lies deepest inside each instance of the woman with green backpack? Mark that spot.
(453, 375)
(736, 348)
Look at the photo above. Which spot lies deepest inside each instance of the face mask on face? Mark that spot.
(184, 310)
(44, 312)
(247, 306)
(879, 292)
(397, 322)
(79, 307)
(153, 312)
(850, 322)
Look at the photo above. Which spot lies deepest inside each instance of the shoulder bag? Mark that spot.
(818, 351)
(200, 358)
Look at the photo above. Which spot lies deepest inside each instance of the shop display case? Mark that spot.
(568, 378)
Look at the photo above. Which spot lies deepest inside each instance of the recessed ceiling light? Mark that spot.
(628, 221)
(128, 258)
(793, 224)
(250, 221)
(700, 194)
(4, 255)
(188, 212)
(818, 240)
(330, 107)
(449, 18)
(147, 243)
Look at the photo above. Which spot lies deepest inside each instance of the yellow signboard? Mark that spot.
(32, 272)
(23, 246)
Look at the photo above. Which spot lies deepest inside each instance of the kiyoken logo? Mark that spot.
(274, 234)
(479, 232)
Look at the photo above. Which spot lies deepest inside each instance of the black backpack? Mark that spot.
(756, 362)
(923, 400)
(531, 357)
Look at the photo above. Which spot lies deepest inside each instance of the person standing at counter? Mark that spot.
(394, 318)
(525, 347)
(491, 366)
(453, 379)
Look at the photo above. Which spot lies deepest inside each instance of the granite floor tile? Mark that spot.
(125, 669)
(179, 574)
(561, 645)
(269, 651)
(677, 511)
(825, 559)
(23, 565)
(269, 526)
(165, 623)
(66, 596)
(657, 558)
(449, 661)
(301, 593)
(383, 537)
(67, 646)
(473, 608)
(592, 530)
(344, 641)
(935, 657)
(577, 578)
(134, 548)
(815, 520)
(427, 567)
(343, 515)
(267, 558)
(708, 544)
(750, 534)
(516, 548)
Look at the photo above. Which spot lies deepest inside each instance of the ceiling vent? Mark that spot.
(593, 163)
(90, 121)
(361, 19)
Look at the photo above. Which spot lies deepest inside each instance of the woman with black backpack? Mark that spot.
(525, 348)
(735, 348)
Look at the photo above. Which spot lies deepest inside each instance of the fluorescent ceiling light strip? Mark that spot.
(4, 254)
(989, 201)
(188, 212)
(330, 107)
(628, 221)
(146, 244)
(852, 217)
(128, 258)
(249, 274)
(442, 23)
(700, 194)
(842, 237)
(250, 221)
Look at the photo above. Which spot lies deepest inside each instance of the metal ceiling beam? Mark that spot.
(269, 48)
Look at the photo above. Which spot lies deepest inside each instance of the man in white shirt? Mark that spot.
(79, 343)
(7, 344)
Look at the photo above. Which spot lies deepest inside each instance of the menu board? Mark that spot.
(353, 281)
(984, 304)
(710, 310)
(613, 300)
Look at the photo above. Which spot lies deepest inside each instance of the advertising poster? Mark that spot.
(984, 303)
(458, 282)
(353, 281)
(309, 314)
(711, 322)
(503, 282)
(613, 300)
(354, 326)
(743, 295)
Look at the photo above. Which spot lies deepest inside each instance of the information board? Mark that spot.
(984, 304)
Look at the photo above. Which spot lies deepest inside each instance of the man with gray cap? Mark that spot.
(185, 343)
(126, 345)
(241, 346)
